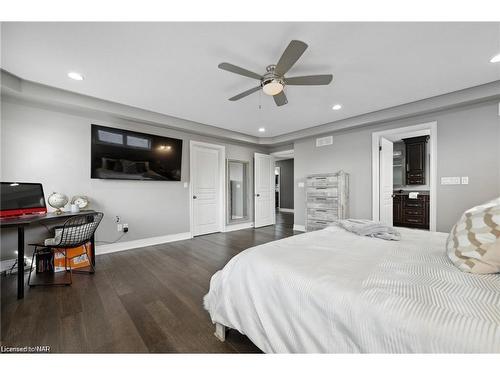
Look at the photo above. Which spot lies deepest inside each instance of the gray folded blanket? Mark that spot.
(370, 228)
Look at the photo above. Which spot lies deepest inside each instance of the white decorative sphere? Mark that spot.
(57, 201)
(80, 200)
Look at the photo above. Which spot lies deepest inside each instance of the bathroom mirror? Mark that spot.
(237, 191)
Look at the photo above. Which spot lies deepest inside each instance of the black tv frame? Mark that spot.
(96, 156)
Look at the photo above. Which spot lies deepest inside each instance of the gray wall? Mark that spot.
(51, 147)
(468, 144)
(286, 183)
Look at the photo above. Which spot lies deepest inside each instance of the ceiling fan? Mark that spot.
(274, 81)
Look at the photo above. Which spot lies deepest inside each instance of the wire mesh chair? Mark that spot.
(76, 232)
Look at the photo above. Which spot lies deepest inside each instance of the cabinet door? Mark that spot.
(415, 156)
(415, 160)
(397, 208)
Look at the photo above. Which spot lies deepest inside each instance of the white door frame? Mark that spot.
(222, 186)
(429, 128)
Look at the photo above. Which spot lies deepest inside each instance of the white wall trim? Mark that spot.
(299, 228)
(40, 94)
(222, 183)
(21, 89)
(135, 244)
(286, 210)
(7, 264)
(233, 227)
(431, 127)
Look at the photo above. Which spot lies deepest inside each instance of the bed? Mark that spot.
(332, 291)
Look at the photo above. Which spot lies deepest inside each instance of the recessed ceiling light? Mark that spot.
(76, 76)
(262, 130)
(336, 107)
(495, 59)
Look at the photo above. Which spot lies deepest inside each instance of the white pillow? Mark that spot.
(474, 241)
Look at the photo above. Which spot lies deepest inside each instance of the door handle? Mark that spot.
(194, 197)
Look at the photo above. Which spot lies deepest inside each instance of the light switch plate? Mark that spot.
(450, 180)
(301, 184)
(185, 184)
(465, 180)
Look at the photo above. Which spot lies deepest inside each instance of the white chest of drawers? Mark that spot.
(327, 197)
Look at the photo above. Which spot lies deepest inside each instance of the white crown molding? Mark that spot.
(488, 92)
(13, 86)
(24, 90)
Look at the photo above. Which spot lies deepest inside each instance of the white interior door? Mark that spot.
(386, 181)
(264, 190)
(206, 189)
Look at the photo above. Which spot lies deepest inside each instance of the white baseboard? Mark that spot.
(233, 227)
(286, 210)
(121, 246)
(299, 228)
(134, 244)
(7, 264)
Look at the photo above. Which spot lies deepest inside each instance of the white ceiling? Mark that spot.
(171, 68)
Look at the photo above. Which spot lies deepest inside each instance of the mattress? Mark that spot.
(332, 291)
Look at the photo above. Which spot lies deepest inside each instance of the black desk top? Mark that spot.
(25, 220)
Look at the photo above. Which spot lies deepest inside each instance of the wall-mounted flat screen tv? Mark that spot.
(126, 155)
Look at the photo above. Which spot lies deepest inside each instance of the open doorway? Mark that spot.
(284, 186)
(404, 176)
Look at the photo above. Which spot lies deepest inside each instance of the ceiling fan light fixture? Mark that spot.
(272, 87)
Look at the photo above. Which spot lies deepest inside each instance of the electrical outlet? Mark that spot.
(117, 219)
(465, 180)
(450, 180)
(300, 184)
(119, 227)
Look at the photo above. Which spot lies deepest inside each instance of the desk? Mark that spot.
(22, 222)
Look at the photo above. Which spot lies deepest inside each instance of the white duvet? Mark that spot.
(332, 291)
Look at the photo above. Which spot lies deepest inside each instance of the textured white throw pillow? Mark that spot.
(474, 241)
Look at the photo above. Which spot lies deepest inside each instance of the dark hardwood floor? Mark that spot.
(142, 300)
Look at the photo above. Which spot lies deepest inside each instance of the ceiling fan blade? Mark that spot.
(245, 93)
(320, 79)
(237, 70)
(280, 99)
(292, 53)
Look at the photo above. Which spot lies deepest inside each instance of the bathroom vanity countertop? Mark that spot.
(406, 192)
